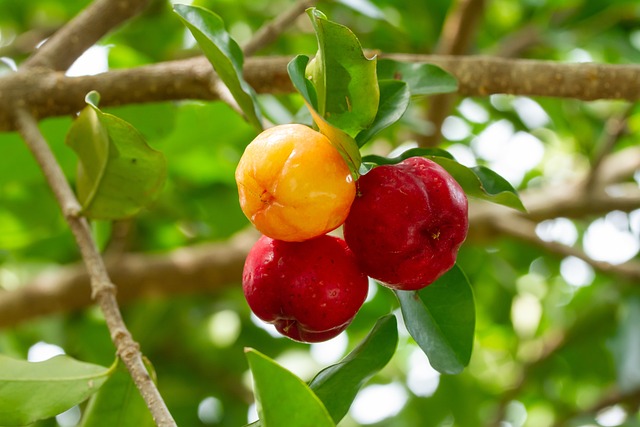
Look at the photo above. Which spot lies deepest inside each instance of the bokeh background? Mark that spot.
(557, 337)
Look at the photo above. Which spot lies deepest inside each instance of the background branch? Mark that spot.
(458, 30)
(68, 43)
(48, 94)
(268, 33)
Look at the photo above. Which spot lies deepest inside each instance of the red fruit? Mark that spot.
(407, 223)
(309, 290)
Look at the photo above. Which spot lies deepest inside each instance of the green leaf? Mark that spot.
(224, 54)
(422, 78)
(344, 78)
(337, 385)
(344, 143)
(282, 398)
(118, 173)
(441, 318)
(34, 391)
(394, 100)
(117, 403)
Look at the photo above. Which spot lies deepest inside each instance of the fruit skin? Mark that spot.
(309, 290)
(407, 223)
(293, 184)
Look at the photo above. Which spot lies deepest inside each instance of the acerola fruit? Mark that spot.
(407, 223)
(293, 184)
(309, 290)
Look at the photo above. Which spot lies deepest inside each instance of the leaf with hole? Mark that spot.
(32, 391)
(441, 319)
(224, 54)
(118, 172)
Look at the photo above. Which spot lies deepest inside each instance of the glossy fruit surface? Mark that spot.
(309, 290)
(407, 223)
(293, 184)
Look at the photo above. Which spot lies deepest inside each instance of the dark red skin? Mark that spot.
(309, 290)
(407, 223)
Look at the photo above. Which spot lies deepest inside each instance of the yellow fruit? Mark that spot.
(293, 184)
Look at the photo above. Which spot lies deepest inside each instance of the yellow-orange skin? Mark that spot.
(293, 184)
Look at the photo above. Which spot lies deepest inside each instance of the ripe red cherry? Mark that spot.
(309, 290)
(407, 223)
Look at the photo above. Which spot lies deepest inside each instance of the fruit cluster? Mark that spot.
(403, 225)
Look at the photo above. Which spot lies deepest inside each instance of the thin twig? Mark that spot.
(615, 397)
(102, 289)
(270, 32)
(79, 34)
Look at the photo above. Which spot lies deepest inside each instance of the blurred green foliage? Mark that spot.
(524, 301)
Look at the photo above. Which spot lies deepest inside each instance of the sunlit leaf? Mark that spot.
(117, 403)
(118, 173)
(422, 78)
(337, 385)
(441, 318)
(345, 80)
(394, 100)
(282, 398)
(224, 54)
(34, 391)
(345, 144)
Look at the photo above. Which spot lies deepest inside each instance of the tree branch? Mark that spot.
(79, 34)
(525, 230)
(102, 289)
(205, 268)
(48, 94)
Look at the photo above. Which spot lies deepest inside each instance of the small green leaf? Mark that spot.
(394, 100)
(345, 144)
(117, 403)
(118, 173)
(344, 78)
(337, 385)
(422, 78)
(224, 54)
(282, 398)
(35, 391)
(441, 318)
